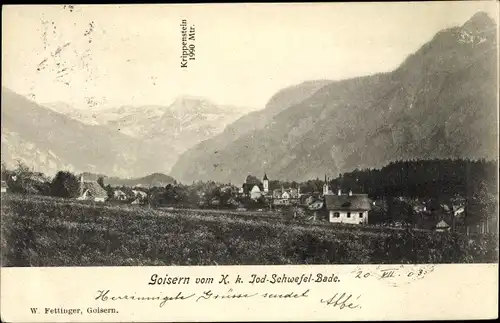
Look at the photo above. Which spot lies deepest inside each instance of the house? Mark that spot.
(289, 196)
(5, 187)
(139, 194)
(255, 193)
(348, 208)
(139, 197)
(316, 205)
(282, 193)
(91, 190)
(119, 195)
(285, 196)
(277, 193)
(442, 226)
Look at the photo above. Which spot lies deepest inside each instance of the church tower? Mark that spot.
(266, 184)
(81, 184)
(325, 186)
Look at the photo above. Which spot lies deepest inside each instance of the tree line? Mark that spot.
(421, 178)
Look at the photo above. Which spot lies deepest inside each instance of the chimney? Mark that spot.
(350, 193)
(81, 184)
(339, 192)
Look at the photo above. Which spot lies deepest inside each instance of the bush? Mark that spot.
(65, 184)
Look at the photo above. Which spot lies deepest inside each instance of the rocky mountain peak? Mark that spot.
(481, 21)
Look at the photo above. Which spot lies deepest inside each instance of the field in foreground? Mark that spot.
(45, 231)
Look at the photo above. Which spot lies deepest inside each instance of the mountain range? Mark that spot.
(185, 122)
(155, 179)
(441, 102)
(127, 141)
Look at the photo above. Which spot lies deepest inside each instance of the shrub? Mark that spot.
(65, 184)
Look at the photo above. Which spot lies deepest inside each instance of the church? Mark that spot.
(254, 188)
(280, 196)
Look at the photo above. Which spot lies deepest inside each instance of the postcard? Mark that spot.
(249, 162)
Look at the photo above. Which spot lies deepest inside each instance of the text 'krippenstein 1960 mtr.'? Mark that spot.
(187, 43)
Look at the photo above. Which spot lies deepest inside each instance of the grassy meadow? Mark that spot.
(44, 231)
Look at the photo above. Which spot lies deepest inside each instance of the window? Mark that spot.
(348, 214)
(360, 214)
(336, 215)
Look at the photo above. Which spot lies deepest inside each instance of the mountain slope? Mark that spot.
(50, 141)
(440, 102)
(189, 120)
(254, 121)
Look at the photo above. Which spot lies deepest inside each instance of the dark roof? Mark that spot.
(95, 190)
(348, 202)
(265, 177)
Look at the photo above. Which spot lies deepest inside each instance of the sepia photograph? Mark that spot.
(271, 134)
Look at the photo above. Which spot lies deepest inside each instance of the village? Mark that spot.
(322, 203)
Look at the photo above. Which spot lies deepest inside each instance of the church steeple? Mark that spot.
(266, 183)
(325, 186)
(81, 184)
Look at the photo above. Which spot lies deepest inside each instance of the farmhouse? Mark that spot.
(91, 190)
(349, 208)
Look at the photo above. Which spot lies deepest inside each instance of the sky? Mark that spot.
(101, 56)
